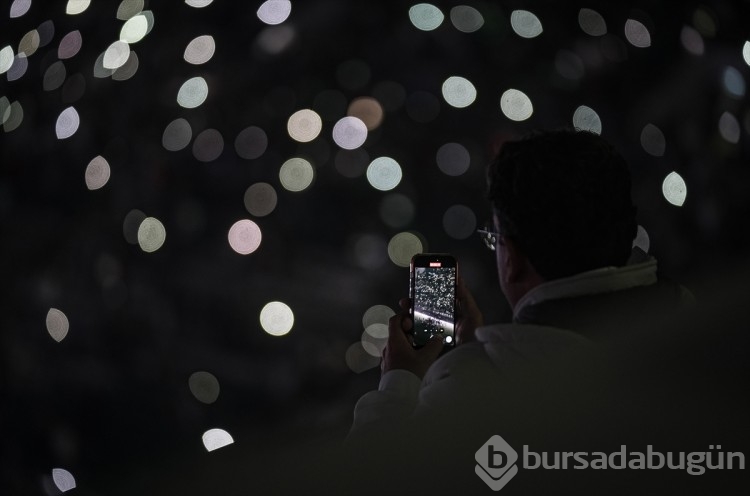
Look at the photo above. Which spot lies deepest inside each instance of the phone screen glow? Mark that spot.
(434, 300)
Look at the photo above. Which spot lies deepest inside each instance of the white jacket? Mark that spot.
(497, 349)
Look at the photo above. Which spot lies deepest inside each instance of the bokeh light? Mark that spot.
(358, 360)
(515, 105)
(177, 135)
(64, 480)
(208, 145)
(67, 123)
(251, 143)
(425, 16)
(349, 133)
(54, 76)
(12, 117)
(134, 29)
(99, 70)
(704, 22)
(397, 210)
(204, 386)
(569, 65)
(459, 222)
(374, 339)
(384, 173)
(586, 119)
(525, 24)
(193, 92)
(692, 40)
(129, 9)
(733, 82)
(116, 55)
(390, 94)
(151, 234)
(275, 39)
(97, 173)
(19, 8)
(653, 141)
(459, 92)
(637, 34)
(131, 224)
(75, 7)
(274, 11)
(46, 32)
(642, 239)
(304, 125)
(745, 52)
(296, 174)
(276, 318)
(214, 439)
(377, 314)
(729, 128)
(29, 44)
(368, 110)
(199, 4)
(128, 69)
(70, 45)
(244, 236)
(453, 159)
(260, 199)
(674, 189)
(18, 68)
(466, 19)
(200, 50)
(352, 163)
(592, 22)
(57, 324)
(402, 247)
(6, 58)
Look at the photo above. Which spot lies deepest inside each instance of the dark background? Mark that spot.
(111, 401)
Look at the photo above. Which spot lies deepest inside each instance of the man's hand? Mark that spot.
(399, 352)
(469, 316)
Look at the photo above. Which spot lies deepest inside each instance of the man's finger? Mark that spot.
(396, 334)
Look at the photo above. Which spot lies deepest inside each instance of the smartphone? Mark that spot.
(432, 290)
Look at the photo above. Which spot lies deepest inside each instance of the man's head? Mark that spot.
(561, 201)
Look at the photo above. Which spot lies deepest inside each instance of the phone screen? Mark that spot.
(433, 298)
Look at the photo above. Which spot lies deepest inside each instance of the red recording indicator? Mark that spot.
(436, 264)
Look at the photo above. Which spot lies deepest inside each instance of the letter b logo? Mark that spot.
(496, 462)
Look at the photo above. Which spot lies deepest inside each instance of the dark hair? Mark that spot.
(564, 198)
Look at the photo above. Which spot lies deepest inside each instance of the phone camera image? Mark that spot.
(434, 301)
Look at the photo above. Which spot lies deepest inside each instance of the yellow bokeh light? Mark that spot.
(29, 44)
(516, 105)
(296, 174)
(97, 173)
(244, 236)
(276, 318)
(368, 110)
(151, 234)
(402, 247)
(304, 125)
